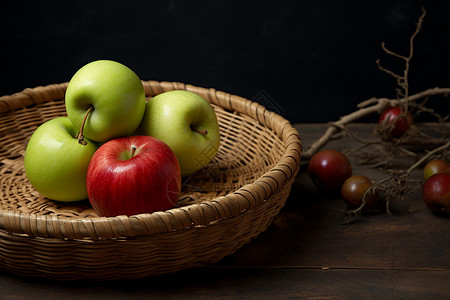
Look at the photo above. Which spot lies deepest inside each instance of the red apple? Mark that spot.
(329, 169)
(354, 189)
(133, 175)
(395, 115)
(436, 193)
(434, 167)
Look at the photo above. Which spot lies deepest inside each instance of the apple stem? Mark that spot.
(80, 135)
(201, 131)
(133, 150)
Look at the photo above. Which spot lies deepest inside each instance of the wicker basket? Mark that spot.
(222, 206)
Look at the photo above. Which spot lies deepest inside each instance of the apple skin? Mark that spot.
(115, 92)
(55, 163)
(119, 183)
(394, 115)
(329, 169)
(353, 190)
(436, 193)
(175, 117)
(434, 167)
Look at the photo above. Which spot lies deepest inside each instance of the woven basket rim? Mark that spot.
(181, 218)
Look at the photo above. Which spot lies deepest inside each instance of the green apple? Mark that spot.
(115, 95)
(187, 123)
(56, 163)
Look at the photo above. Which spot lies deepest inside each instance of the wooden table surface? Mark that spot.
(309, 252)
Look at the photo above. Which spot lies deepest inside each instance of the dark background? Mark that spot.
(311, 61)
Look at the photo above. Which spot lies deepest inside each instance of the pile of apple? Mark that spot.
(124, 153)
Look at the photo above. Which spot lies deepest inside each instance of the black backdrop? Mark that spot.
(311, 61)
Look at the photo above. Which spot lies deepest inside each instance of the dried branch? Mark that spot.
(402, 80)
(396, 185)
(368, 107)
(426, 157)
(377, 105)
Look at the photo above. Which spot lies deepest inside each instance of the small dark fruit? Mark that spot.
(328, 169)
(353, 190)
(436, 193)
(434, 167)
(395, 115)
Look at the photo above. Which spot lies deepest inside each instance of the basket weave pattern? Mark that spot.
(222, 206)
